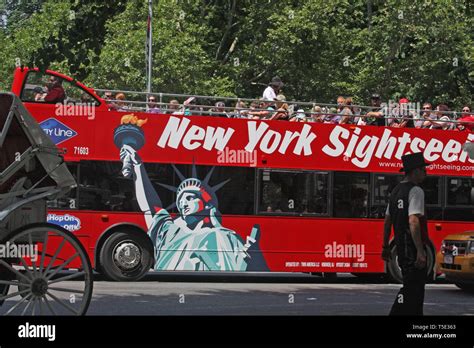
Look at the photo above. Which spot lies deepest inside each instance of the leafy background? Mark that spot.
(420, 49)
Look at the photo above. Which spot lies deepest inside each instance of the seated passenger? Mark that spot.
(55, 91)
(316, 115)
(121, 105)
(332, 116)
(427, 115)
(300, 116)
(264, 111)
(173, 108)
(282, 108)
(241, 110)
(442, 116)
(219, 110)
(346, 112)
(465, 123)
(377, 114)
(152, 106)
(402, 116)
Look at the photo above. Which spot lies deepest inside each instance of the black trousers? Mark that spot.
(410, 298)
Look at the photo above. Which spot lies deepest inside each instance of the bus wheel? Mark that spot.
(126, 256)
(394, 272)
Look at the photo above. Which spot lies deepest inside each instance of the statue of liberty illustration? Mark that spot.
(195, 239)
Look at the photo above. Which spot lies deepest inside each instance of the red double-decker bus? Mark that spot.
(191, 193)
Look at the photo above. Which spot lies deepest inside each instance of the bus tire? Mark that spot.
(126, 256)
(394, 272)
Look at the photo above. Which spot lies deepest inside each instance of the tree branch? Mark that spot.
(228, 29)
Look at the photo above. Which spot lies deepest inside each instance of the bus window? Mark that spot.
(69, 201)
(102, 187)
(432, 188)
(293, 192)
(351, 194)
(459, 199)
(459, 192)
(237, 196)
(383, 185)
(431, 185)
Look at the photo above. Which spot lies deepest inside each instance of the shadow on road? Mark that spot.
(254, 277)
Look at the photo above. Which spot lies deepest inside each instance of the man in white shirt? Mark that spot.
(273, 89)
(406, 213)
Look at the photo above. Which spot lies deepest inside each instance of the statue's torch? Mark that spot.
(129, 133)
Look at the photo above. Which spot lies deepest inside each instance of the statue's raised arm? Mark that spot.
(147, 197)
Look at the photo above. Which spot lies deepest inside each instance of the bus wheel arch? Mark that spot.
(124, 253)
(393, 270)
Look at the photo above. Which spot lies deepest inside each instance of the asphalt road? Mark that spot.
(299, 294)
(259, 294)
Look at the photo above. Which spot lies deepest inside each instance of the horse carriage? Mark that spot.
(44, 269)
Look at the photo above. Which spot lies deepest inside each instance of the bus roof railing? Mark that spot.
(143, 106)
(234, 112)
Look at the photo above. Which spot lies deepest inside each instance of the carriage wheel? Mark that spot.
(54, 278)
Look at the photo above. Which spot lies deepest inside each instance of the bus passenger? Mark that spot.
(120, 103)
(55, 91)
(273, 89)
(153, 108)
(346, 111)
(173, 107)
(264, 111)
(377, 114)
(282, 109)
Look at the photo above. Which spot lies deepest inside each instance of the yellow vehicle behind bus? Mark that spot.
(456, 259)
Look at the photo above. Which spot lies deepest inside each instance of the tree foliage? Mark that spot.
(423, 50)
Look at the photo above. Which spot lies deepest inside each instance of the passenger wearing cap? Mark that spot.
(300, 116)
(273, 89)
(406, 213)
(376, 116)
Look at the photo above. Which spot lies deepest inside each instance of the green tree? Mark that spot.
(423, 50)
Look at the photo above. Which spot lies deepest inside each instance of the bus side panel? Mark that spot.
(292, 244)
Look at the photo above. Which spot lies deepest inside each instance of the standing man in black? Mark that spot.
(406, 212)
